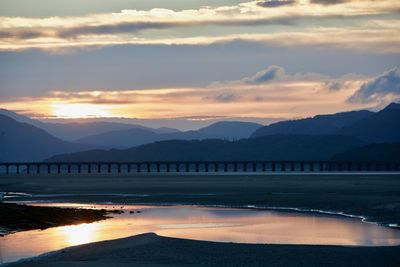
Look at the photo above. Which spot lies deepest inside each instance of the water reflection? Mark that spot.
(214, 224)
(80, 234)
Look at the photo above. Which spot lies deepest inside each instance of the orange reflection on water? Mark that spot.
(80, 234)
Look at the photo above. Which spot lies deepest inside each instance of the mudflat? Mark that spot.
(153, 250)
(376, 197)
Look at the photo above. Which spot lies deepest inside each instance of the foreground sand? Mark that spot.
(151, 250)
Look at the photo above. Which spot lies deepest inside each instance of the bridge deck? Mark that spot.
(194, 167)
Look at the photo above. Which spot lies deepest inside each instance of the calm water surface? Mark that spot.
(200, 223)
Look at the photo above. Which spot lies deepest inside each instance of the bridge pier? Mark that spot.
(329, 166)
(158, 165)
(283, 166)
(187, 166)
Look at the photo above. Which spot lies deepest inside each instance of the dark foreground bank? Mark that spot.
(21, 217)
(151, 250)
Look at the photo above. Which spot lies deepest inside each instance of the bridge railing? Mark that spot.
(194, 167)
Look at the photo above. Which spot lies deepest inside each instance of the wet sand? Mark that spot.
(376, 197)
(152, 250)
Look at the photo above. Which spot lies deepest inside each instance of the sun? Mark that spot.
(70, 111)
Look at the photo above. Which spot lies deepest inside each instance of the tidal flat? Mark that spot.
(374, 197)
(151, 250)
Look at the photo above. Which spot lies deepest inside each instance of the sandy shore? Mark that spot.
(151, 250)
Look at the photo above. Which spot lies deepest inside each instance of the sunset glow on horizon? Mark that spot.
(230, 59)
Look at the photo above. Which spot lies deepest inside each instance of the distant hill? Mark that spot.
(383, 126)
(24, 142)
(72, 131)
(277, 147)
(229, 130)
(318, 125)
(139, 136)
(122, 138)
(389, 152)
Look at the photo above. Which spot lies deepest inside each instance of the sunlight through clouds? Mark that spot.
(281, 95)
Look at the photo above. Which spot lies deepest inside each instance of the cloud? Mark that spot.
(334, 85)
(134, 26)
(329, 2)
(270, 93)
(24, 34)
(383, 88)
(224, 97)
(276, 3)
(128, 27)
(266, 75)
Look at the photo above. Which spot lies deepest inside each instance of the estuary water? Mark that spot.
(200, 223)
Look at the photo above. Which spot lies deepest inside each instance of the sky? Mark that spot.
(198, 60)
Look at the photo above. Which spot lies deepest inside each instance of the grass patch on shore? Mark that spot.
(15, 217)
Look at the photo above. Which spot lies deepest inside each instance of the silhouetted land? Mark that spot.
(374, 196)
(151, 250)
(21, 217)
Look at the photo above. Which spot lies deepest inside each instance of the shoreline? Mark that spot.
(303, 211)
(363, 218)
(370, 198)
(21, 217)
